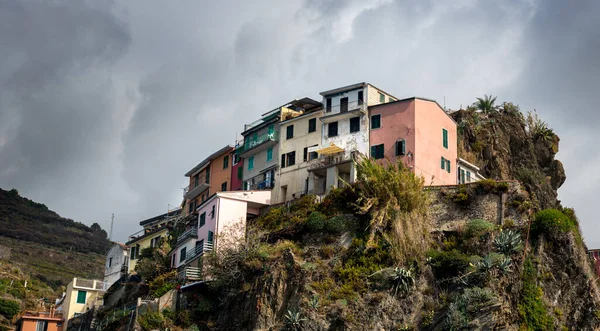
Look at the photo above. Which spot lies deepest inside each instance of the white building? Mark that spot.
(344, 133)
(116, 263)
(467, 172)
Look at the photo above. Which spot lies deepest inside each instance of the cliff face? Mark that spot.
(505, 146)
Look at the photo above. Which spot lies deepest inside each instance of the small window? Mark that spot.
(400, 147)
(462, 176)
(381, 97)
(360, 98)
(313, 155)
(391, 99)
(212, 213)
(251, 163)
(226, 162)
(202, 219)
(328, 109)
(271, 130)
(376, 121)
(305, 154)
(210, 237)
(207, 179)
(290, 159)
(332, 129)
(110, 262)
(343, 105)
(354, 124)
(468, 176)
(196, 181)
(448, 165)
(443, 163)
(41, 326)
(224, 186)
(312, 125)
(283, 160)
(445, 138)
(269, 154)
(289, 132)
(182, 254)
(240, 173)
(81, 296)
(377, 151)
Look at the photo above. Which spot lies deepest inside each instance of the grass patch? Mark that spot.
(531, 308)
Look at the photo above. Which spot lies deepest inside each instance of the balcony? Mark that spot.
(326, 161)
(340, 112)
(90, 284)
(261, 143)
(195, 191)
(191, 233)
(190, 273)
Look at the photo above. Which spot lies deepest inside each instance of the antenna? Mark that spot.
(112, 221)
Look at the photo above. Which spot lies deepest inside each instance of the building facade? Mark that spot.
(36, 321)
(344, 134)
(82, 295)
(467, 172)
(116, 263)
(211, 175)
(418, 133)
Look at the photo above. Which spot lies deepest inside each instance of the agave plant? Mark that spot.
(504, 265)
(402, 280)
(314, 302)
(486, 104)
(508, 242)
(293, 320)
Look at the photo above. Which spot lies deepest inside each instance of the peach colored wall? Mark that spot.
(397, 122)
(429, 121)
(218, 174)
(31, 325)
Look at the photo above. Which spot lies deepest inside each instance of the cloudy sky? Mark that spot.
(104, 105)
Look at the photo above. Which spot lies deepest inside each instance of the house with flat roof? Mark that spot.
(82, 295)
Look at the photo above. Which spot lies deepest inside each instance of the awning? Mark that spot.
(333, 149)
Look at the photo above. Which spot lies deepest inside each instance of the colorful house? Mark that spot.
(301, 137)
(345, 133)
(155, 230)
(40, 320)
(82, 295)
(116, 263)
(222, 211)
(211, 175)
(420, 134)
(467, 172)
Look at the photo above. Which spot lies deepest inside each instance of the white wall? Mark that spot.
(112, 273)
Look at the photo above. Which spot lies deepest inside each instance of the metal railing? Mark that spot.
(250, 143)
(90, 284)
(199, 251)
(351, 106)
(329, 160)
(190, 273)
(193, 232)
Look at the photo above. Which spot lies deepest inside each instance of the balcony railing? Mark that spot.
(191, 193)
(330, 160)
(91, 284)
(191, 233)
(190, 273)
(349, 107)
(199, 251)
(265, 139)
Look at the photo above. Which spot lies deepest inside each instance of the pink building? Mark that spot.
(221, 211)
(419, 133)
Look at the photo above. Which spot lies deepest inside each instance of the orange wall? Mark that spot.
(30, 325)
(218, 174)
(397, 122)
(429, 121)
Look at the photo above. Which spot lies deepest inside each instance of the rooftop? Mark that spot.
(211, 157)
(169, 214)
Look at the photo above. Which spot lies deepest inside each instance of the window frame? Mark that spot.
(445, 138)
(250, 163)
(202, 220)
(356, 119)
(378, 116)
(270, 154)
(79, 293)
(312, 125)
(226, 162)
(289, 132)
(224, 187)
(378, 151)
(182, 254)
(329, 126)
(400, 149)
(211, 237)
(381, 97)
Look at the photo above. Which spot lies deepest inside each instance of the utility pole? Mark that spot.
(112, 221)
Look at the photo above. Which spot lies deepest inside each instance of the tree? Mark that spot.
(486, 104)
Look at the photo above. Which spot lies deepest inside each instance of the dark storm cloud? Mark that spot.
(104, 106)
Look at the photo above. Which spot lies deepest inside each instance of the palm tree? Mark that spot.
(486, 104)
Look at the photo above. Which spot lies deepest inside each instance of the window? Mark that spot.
(381, 97)
(196, 181)
(332, 129)
(462, 176)
(445, 138)
(400, 147)
(377, 151)
(343, 105)
(251, 163)
(210, 237)
(200, 243)
(41, 326)
(255, 136)
(207, 179)
(212, 213)
(174, 260)
(305, 154)
(271, 130)
(360, 98)
(354, 124)
(448, 165)
(182, 254)
(224, 186)
(288, 159)
(312, 125)
(468, 176)
(236, 159)
(110, 262)
(328, 109)
(240, 172)
(81, 296)
(375, 121)
(443, 163)
(289, 132)
(269, 154)
(313, 155)
(391, 99)
(226, 162)
(202, 219)
(134, 251)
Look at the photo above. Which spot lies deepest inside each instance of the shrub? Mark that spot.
(315, 222)
(151, 320)
(9, 308)
(335, 225)
(466, 306)
(531, 308)
(552, 222)
(340, 200)
(163, 284)
(478, 227)
(326, 251)
(448, 264)
(491, 186)
(508, 242)
(294, 320)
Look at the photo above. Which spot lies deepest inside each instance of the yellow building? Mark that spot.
(155, 230)
(82, 295)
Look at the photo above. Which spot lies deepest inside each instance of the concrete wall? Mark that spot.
(113, 273)
(430, 119)
(397, 122)
(294, 178)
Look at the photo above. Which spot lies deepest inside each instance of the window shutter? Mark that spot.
(448, 163)
(443, 163)
(283, 160)
(305, 154)
(373, 151)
